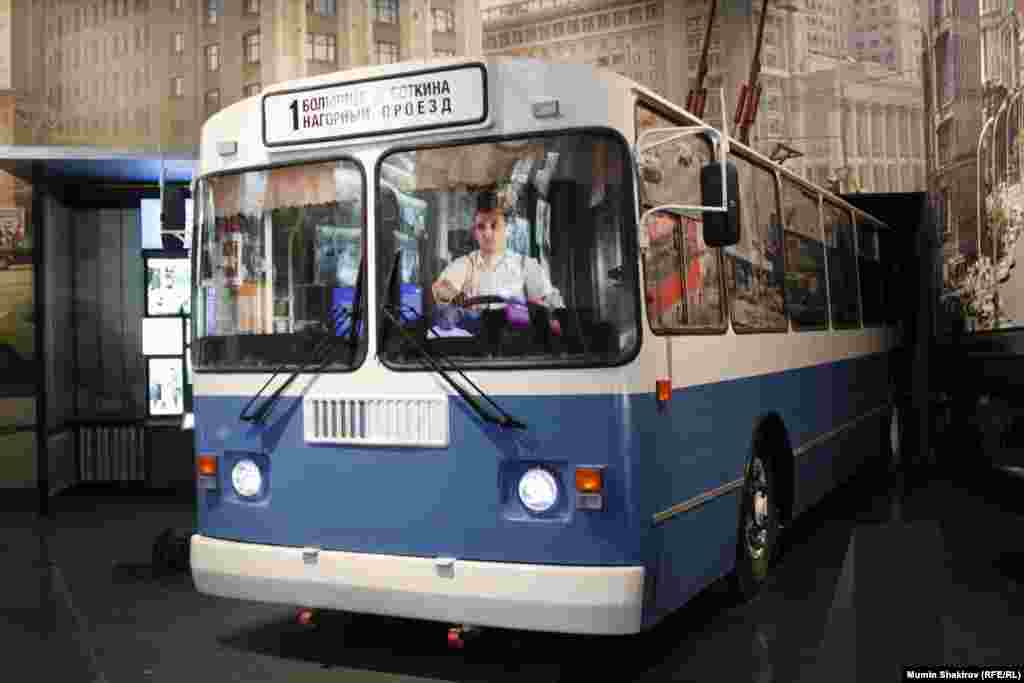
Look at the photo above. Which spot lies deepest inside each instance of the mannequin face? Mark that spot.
(489, 232)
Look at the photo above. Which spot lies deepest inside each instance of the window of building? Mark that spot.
(178, 86)
(387, 53)
(251, 45)
(212, 11)
(588, 24)
(252, 6)
(321, 47)
(177, 5)
(251, 90)
(444, 53)
(212, 101)
(178, 46)
(558, 30)
(573, 26)
(444, 20)
(604, 21)
(653, 12)
(212, 57)
(325, 8)
(385, 11)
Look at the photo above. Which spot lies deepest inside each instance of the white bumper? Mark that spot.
(601, 600)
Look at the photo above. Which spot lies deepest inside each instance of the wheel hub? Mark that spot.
(757, 517)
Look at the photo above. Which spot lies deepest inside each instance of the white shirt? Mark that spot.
(513, 276)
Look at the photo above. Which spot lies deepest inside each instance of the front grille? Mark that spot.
(377, 420)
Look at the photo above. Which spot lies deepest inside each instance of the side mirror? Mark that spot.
(721, 228)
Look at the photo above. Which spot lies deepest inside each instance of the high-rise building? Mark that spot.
(954, 49)
(853, 115)
(145, 74)
(886, 32)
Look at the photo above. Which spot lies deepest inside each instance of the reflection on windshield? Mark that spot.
(511, 252)
(278, 258)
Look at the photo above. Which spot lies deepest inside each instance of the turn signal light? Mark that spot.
(663, 388)
(588, 480)
(206, 465)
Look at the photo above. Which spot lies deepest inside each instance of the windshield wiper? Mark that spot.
(321, 356)
(389, 310)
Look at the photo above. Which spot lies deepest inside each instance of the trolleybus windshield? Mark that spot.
(278, 257)
(513, 252)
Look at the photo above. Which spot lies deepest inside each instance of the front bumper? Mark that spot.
(568, 599)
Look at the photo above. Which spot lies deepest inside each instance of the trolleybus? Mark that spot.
(501, 342)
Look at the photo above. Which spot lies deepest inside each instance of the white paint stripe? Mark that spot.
(697, 360)
(81, 627)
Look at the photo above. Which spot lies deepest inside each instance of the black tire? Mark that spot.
(171, 552)
(758, 534)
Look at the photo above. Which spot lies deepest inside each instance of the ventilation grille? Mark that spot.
(111, 453)
(377, 420)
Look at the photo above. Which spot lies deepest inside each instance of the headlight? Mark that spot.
(538, 490)
(247, 478)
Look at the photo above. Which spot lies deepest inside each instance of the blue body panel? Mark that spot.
(459, 502)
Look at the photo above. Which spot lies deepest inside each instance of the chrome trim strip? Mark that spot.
(803, 449)
(697, 501)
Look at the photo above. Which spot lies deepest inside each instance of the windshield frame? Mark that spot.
(631, 243)
(361, 351)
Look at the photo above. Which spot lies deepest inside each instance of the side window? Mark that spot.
(682, 280)
(872, 275)
(842, 267)
(754, 268)
(806, 295)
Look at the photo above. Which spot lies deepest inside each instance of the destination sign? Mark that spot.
(426, 100)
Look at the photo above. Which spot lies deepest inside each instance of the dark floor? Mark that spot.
(883, 573)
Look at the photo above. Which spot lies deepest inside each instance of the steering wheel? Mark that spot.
(533, 309)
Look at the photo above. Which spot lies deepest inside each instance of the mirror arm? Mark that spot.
(678, 132)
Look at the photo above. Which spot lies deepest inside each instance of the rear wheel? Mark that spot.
(758, 530)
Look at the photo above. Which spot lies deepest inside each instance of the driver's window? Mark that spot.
(682, 279)
(521, 249)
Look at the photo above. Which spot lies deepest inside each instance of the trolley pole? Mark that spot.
(750, 96)
(697, 98)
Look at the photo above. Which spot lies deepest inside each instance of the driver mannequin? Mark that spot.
(490, 270)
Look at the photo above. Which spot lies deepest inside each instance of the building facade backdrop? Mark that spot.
(840, 80)
(141, 77)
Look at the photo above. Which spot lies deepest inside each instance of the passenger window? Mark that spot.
(842, 267)
(681, 275)
(872, 276)
(754, 267)
(806, 295)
